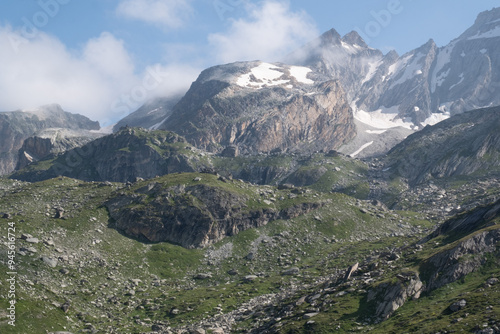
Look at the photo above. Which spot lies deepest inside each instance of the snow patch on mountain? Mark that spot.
(266, 75)
(443, 58)
(383, 118)
(376, 132)
(373, 67)
(489, 34)
(300, 74)
(458, 83)
(353, 155)
(435, 118)
(411, 70)
(263, 75)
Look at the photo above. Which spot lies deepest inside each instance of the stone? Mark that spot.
(291, 271)
(350, 271)
(64, 271)
(457, 306)
(233, 272)
(65, 307)
(301, 301)
(28, 249)
(6, 215)
(51, 262)
(59, 213)
(492, 281)
(217, 331)
(310, 315)
(249, 278)
(198, 331)
(249, 256)
(197, 179)
(32, 240)
(202, 276)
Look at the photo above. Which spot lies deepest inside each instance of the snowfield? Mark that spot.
(271, 75)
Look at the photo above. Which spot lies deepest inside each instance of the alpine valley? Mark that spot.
(342, 190)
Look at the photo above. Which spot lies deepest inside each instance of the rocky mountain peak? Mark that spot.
(331, 37)
(354, 38)
(487, 25)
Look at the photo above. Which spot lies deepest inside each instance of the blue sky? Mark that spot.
(104, 58)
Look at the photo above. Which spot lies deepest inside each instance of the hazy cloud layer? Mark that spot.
(98, 81)
(270, 32)
(163, 13)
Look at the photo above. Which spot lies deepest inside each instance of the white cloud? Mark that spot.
(163, 13)
(269, 33)
(98, 81)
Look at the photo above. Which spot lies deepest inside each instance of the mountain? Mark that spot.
(256, 106)
(124, 156)
(262, 107)
(464, 145)
(149, 116)
(52, 141)
(16, 126)
(424, 84)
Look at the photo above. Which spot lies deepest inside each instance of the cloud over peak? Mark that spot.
(163, 13)
(271, 31)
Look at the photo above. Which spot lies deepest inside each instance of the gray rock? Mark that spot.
(32, 240)
(51, 262)
(291, 271)
(203, 276)
(457, 306)
(65, 307)
(492, 281)
(198, 331)
(309, 315)
(249, 278)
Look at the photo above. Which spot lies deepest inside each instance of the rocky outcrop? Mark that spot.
(261, 107)
(149, 116)
(469, 222)
(465, 144)
(124, 156)
(192, 216)
(390, 296)
(17, 126)
(52, 141)
(466, 257)
(425, 81)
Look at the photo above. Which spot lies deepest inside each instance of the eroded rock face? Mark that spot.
(285, 114)
(122, 157)
(16, 126)
(191, 216)
(462, 145)
(465, 258)
(52, 141)
(388, 297)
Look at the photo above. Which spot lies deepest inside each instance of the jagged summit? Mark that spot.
(354, 38)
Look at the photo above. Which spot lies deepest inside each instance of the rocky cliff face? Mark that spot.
(151, 115)
(466, 257)
(429, 80)
(462, 145)
(124, 156)
(261, 107)
(52, 141)
(16, 126)
(196, 214)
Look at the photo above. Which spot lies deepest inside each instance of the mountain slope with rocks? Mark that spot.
(261, 107)
(16, 126)
(463, 145)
